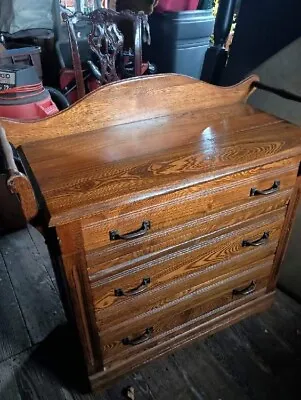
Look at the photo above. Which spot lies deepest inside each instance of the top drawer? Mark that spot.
(177, 208)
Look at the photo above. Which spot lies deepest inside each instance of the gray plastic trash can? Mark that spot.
(180, 41)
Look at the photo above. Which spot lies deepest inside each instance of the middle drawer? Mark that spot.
(154, 283)
(123, 257)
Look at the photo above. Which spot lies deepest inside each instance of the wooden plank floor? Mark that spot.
(259, 358)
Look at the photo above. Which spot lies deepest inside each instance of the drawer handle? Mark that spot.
(114, 235)
(258, 242)
(244, 292)
(132, 292)
(275, 188)
(147, 335)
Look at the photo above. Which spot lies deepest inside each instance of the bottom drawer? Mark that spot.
(150, 329)
(221, 318)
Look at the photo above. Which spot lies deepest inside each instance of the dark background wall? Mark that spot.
(263, 28)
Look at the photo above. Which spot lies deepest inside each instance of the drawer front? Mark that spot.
(182, 272)
(163, 212)
(152, 329)
(124, 256)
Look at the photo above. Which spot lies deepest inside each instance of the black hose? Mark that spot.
(58, 98)
(279, 92)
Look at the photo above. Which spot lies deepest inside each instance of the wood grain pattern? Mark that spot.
(195, 205)
(183, 155)
(181, 272)
(90, 184)
(220, 321)
(108, 260)
(19, 185)
(159, 95)
(206, 368)
(219, 118)
(165, 324)
(251, 176)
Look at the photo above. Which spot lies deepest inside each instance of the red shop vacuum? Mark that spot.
(22, 95)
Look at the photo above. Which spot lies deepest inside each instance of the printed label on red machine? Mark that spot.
(7, 80)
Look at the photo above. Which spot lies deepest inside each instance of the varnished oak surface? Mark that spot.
(85, 173)
(39, 357)
(167, 325)
(222, 320)
(183, 155)
(177, 272)
(116, 259)
(177, 211)
(116, 104)
(201, 292)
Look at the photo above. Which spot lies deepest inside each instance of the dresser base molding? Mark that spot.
(221, 321)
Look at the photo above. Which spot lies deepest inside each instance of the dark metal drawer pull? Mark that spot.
(147, 335)
(132, 292)
(244, 292)
(114, 235)
(275, 188)
(258, 242)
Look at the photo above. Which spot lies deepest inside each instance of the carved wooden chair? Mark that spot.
(107, 43)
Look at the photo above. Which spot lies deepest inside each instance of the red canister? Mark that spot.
(176, 5)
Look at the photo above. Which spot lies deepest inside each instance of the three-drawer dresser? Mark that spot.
(166, 204)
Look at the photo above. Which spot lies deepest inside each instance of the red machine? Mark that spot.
(22, 95)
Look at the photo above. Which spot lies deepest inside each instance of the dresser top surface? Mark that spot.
(141, 138)
(87, 172)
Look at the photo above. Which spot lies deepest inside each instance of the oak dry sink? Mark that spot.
(166, 204)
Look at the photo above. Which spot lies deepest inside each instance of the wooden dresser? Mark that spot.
(166, 204)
